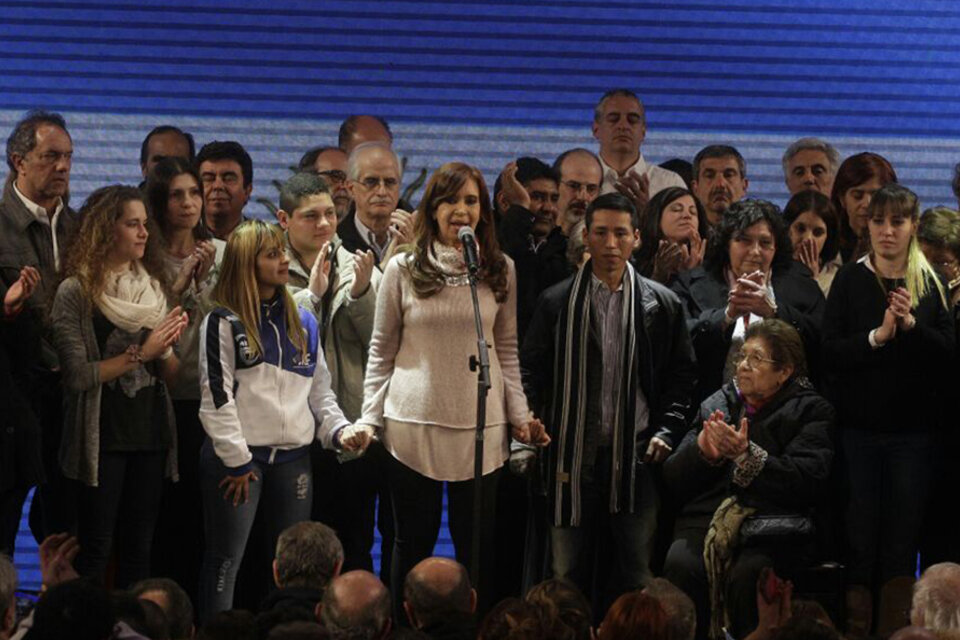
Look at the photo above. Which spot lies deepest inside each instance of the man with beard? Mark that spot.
(719, 179)
(581, 175)
(529, 195)
(330, 163)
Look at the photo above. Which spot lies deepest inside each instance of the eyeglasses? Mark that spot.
(370, 183)
(753, 359)
(333, 176)
(573, 185)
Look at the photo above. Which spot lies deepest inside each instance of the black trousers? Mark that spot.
(417, 509)
(11, 506)
(126, 502)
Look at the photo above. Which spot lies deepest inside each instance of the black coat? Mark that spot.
(351, 238)
(794, 428)
(704, 294)
(536, 270)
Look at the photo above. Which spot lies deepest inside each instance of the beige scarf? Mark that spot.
(132, 300)
(719, 549)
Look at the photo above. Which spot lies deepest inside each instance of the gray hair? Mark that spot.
(23, 138)
(358, 623)
(353, 161)
(299, 186)
(618, 93)
(936, 598)
(812, 144)
(307, 555)
(8, 583)
(681, 613)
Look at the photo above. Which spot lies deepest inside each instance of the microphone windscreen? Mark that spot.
(466, 233)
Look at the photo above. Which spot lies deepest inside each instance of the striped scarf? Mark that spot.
(570, 403)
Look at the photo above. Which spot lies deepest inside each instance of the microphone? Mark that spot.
(470, 255)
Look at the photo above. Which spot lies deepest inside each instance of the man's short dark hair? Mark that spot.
(431, 605)
(718, 151)
(299, 186)
(558, 163)
(530, 169)
(349, 127)
(612, 202)
(227, 150)
(367, 624)
(179, 609)
(618, 93)
(681, 612)
(308, 552)
(166, 128)
(77, 609)
(310, 157)
(23, 138)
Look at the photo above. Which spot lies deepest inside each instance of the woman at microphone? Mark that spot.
(419, 392)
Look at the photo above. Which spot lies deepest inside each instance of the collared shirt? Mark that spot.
(41, 214)
(659, 177)
(371, 239)
(607, 322)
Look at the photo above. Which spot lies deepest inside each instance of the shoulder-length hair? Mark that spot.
(100, 213)
(854, 171)
(739, 217)
(897, 200)
(236, 288)
(444, 183)
(157, 191)
(820, 205)
(650, 231)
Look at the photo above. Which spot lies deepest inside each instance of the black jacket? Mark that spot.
(536, 269)
(704, 294)
(794, 428)
(667, 369)
(351, 238)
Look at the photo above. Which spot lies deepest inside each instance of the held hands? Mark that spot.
(719, 440)
(511, 190)
(751, 295)
(531, 432)
(806, 253)
(356, 437)
(636, 187)
(362, 270)
(320, 272)
(238, 486)
(21, 290)
(164, 335)
(57, 552)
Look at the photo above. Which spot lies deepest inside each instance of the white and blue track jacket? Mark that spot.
(269, 407)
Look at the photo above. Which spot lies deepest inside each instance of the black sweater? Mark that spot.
(899, 386)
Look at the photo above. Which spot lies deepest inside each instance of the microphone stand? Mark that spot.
(481, 364)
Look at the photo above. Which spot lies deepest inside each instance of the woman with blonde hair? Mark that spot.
(265, 397)
(888, 340)
(115, 334)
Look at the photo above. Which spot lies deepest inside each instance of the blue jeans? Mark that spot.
(889, 475)
(573, 548)
(286, 490)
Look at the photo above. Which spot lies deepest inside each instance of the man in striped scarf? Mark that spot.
(608, 365)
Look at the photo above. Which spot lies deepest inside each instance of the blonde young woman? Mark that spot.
(265, 398)
(888, 339)
(115, 335)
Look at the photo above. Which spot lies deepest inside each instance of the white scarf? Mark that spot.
(132, 300)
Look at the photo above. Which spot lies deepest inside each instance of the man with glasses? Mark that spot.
(376, 224)
(620, 126)
(581, 177)
(36, 230)
(330, 163)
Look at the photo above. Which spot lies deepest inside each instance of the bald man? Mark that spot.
(439, 601)
(356, 604)
(359, 129)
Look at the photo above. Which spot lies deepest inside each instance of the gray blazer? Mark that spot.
(76, 343)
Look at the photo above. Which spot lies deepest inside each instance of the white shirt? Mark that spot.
(371, 238)
(659, 177)
(41, 214)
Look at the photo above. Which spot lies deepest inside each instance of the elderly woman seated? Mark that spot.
(760, 453)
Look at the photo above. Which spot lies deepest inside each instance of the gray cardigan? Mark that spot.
(76, 342)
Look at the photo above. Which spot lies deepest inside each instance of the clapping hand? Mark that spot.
(900, 306)
(57, 552)
(362, 270)
(21, 290)
(164, 335)
(320, 272)
(636, 187)
(718, 439)
(751, 295)
(510, 188)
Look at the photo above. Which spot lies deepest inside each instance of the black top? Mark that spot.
(133, 412)
(704, 295)
(896, 387)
